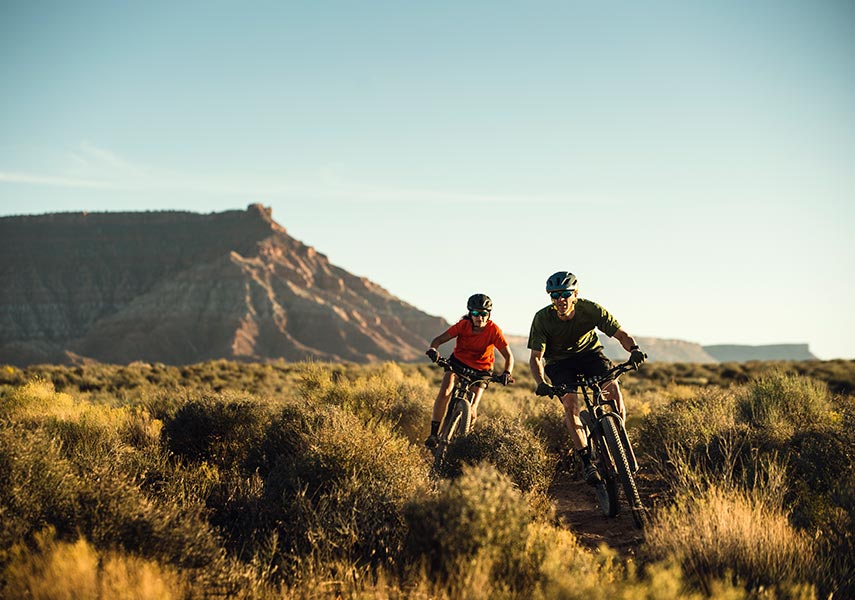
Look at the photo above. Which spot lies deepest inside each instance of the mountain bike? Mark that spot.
(458, 414)
(611, 451)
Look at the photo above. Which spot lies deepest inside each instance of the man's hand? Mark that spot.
(505, 378)
(432, 354)
(544, 389)
(636, 357)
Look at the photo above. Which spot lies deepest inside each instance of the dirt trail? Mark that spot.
(576, 504)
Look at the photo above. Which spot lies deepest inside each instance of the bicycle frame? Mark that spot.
(458, 413)
(602, 407)
(609, 443)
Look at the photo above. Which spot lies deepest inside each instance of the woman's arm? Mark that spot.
(440, 340)
(509, 358)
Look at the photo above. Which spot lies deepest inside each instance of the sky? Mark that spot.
(693, 163)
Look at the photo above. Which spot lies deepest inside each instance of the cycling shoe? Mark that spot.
(592, 476)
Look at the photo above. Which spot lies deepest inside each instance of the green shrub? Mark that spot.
(479, 512)
(510, 447)
(686, 422)
(838, 543)
(782, 403)
(384, 393)
(820, 462)
(549, 425)
(225, 430)
(37, 397)
(338, 485)
(38, 486)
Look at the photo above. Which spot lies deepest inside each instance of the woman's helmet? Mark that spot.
(562, 281)
(479, 302)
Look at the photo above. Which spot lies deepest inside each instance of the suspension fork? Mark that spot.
(455, 396)
(458, 393)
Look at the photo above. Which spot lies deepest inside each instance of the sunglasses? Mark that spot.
(479, 313)
(557, 295)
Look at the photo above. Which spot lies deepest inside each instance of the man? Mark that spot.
(564, 345)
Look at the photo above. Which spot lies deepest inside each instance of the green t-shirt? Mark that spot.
(559, 339)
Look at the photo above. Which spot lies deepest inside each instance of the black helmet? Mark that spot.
(479, 302)
(562, 281)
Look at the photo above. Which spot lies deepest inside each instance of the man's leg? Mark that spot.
(612, 391)
(572, 420)
(572, 408)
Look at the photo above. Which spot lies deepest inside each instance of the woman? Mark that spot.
(477, 336)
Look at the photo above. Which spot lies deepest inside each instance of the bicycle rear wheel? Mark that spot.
(607, 490)
(624, 472)
(607, 497)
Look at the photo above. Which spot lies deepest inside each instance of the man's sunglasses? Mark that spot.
(479, 313)
(557, 295)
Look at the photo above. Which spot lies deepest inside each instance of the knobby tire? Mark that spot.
(607, 489)
(613, 441)
(456, 424)
(607, 496)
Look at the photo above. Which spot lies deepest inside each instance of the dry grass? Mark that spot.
(723, 533)
(76, 571)
(309, 481)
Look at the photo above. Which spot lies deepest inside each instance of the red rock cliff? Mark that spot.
(179, 287)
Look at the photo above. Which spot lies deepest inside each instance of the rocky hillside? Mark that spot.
(738, 353)
(680, 351)
(180, 287)
(657, 349)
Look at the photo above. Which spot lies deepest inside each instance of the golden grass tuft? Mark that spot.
(76, 571)
(724, 532)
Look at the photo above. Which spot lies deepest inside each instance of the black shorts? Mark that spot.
(475, 374)
(586, 364)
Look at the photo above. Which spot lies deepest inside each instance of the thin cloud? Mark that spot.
(89, 156)
(94, 167)
(165, 182)
(52, 181)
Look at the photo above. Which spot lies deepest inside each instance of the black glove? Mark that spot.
(636, 357)
(505, 378)
(432, 354)
(544, 389)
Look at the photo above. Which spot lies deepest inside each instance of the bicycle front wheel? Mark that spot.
(624, 472)
(456, 424)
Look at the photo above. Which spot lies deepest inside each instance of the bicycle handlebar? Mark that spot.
(589, 382)
(467, 377)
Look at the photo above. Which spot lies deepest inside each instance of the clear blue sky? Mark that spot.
(692, 162)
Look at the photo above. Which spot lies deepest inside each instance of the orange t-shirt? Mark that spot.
(476, 349)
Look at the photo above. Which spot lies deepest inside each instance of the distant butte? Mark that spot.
(180, 287)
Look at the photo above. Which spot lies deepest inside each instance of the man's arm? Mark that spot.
(626, 340)
(636, 356)
(535, 363)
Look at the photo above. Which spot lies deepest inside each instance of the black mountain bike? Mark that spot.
(458, 414)
(611, 451)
